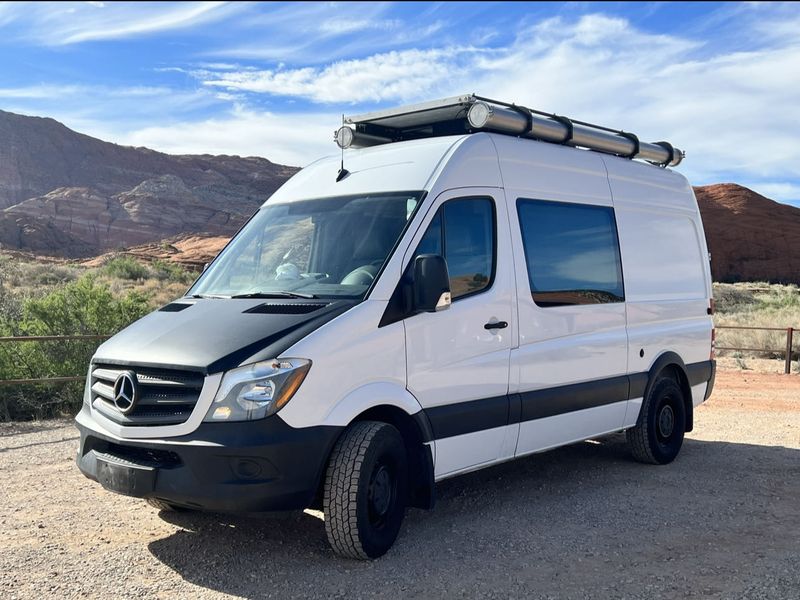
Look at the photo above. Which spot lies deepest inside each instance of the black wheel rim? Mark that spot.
(666, 421)
(666, 417)
(381, 494)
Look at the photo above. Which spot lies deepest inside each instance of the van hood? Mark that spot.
(217, 334)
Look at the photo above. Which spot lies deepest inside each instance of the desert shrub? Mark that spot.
(80, 307)
(731, 298)
(37, 275)
(169, 271)
(22, 279)
(126, 267)
(10, 306)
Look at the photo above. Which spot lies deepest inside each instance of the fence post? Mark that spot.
(789, 332)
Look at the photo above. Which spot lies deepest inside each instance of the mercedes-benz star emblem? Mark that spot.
(126, 391)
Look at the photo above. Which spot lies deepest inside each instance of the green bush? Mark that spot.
(126, 267)
(169, 271)
(79, 308)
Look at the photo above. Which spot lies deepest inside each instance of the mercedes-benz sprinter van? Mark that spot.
(443, 301)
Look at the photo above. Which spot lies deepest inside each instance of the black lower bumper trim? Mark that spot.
(231, 467)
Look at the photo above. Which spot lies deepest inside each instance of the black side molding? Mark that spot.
(487, 413)
(550, 402)
(468, 417)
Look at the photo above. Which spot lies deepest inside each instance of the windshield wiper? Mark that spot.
(274, 295)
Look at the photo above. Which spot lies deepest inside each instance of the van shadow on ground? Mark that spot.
(579, 521)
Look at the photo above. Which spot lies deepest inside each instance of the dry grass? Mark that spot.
(158, 292)
(159, 282)
(756, 305)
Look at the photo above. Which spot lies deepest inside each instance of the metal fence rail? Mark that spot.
(48, 338)
(788, 350)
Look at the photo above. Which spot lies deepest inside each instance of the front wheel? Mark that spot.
(658, 435)
(365, 490)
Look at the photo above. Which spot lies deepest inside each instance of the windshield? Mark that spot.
(329, 247)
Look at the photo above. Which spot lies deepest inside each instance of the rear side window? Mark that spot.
(572, 253)
(462, 231)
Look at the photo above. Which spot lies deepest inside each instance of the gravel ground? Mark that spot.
(722, 521)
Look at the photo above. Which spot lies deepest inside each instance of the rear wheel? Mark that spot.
(365, 490)
(658, 435)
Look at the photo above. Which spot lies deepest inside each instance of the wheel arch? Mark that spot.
(417, 433)
(396, 406)
(670, 364)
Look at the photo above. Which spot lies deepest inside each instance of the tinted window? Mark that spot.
(572, 253)
(327, 247)
(463, 232)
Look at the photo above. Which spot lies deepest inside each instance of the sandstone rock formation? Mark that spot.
(750, 237)
(192, 251)
(67, 194)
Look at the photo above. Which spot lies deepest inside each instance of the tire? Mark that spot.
(366, 488)
(658, 435)
(164, 505)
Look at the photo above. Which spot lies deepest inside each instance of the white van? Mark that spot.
(412, 311)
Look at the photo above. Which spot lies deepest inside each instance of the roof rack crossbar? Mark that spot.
(472, 113)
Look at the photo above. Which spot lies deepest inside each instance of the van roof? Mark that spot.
(467, 160)
(404, 166)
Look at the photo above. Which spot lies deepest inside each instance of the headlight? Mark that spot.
(258, 390)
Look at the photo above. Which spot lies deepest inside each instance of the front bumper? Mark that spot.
(231, 467)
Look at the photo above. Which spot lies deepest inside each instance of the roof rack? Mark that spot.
(470, 113)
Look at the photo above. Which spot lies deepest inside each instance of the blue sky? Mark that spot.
(721, 80)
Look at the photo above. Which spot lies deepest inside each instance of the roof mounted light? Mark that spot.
(479, 114)
(346, 137)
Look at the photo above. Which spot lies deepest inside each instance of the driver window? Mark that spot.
(462, 231)
(287, 254)
(281, 251)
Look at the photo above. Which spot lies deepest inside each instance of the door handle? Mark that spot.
(496, 325)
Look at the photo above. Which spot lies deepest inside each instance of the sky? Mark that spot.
(719, 80)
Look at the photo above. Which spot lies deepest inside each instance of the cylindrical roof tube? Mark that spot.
(482, 115)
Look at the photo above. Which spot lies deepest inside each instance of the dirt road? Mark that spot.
(722, 521)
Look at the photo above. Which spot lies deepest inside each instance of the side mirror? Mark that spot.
(430, 290)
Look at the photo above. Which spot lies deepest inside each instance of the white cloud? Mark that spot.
(64, 23)
(780, 191)
(399, 75)
(291, 139)
(339, 26)
(42, 91)
(57, 92)
(123, 109)
(313, 33)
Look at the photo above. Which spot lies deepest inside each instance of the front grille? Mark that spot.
(166, 396)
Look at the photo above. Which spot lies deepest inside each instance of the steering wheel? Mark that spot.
(363, 275)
